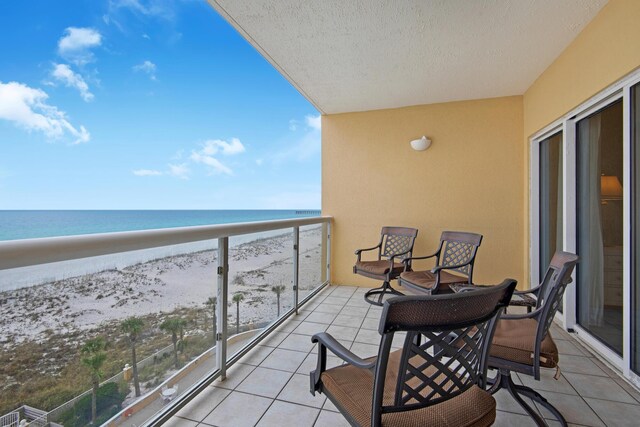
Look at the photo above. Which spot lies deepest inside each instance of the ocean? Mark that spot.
(29, 224)
(35, 224)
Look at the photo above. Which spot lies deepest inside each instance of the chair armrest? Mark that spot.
(391, 257)
(533, 291)
(325, 341)
(358, 252)
(366, 249)
(448, 267)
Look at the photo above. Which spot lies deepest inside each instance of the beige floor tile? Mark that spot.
(548, 382)
(371, 323)
(329, 406)
(201, 405)
(264, 382)
(285, 360)
(235, 375)
(310, 328)
(296, 415)
(616, 414)
(344, 320)
(342, 332)
(354, 311)
(328, 308)
(331, 419)
(274, 339)
(326, 318)
(368, 336)
(341, 301)
(297, 342)
(364, 350)
(568, 347)
(599, 388)
(573, 408)
(257, 355)
(580, 365)
(297, 391)
(506, 403)
(508, 419)
(180, 422)
(238, 410)
(289, 325)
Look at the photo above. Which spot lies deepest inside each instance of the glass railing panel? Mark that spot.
(67, 324)
(313, 258)
(260, 284)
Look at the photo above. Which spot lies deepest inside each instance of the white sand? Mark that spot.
(163, 285)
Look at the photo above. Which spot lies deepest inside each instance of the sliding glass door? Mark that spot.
(599, 225)
(550, 198)
(635, 227)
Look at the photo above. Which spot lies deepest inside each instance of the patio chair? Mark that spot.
(456, 253)
(436, 379)
(396, 244)
(522, 343)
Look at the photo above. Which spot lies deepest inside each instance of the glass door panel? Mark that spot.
(550, 199)
(635, 227)
(599, 209)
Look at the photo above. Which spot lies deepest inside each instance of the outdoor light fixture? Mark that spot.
(421, 144)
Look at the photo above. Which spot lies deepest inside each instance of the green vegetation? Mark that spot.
(133, 328)
(93, 357)
(211, 303)
(109, 399)
(237, 298)
(278, 289)
(175, 326)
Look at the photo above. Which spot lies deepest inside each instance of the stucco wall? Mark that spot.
(604, 52)
(470, 179)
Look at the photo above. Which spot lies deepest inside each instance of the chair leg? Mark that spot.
(503, 380)
(383, 290)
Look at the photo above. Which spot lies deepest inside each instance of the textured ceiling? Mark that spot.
(360, 55)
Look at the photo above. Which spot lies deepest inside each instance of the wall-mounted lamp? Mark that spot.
(421, 144)
(610, 188)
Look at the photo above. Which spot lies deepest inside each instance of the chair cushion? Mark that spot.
(426, 279)
(352, 389)
(514, 340)
(379, 267)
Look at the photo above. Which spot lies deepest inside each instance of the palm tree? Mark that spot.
(237, 298)
(93, 357)
(278, 289)
(213, 302)
(176, 327)
(132, 326)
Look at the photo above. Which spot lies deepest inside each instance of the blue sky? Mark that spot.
(132, 104)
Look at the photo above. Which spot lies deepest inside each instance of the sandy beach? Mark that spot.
(87, 303)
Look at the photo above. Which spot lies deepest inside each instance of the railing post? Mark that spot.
(296, 265)
(329, 252)
(221, 308)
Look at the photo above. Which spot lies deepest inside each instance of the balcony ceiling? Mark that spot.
(360, 55)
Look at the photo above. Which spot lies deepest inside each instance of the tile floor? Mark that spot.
(270, 387)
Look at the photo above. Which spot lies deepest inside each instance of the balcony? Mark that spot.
(270, 385)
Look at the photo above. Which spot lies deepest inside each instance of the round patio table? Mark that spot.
(519, 300)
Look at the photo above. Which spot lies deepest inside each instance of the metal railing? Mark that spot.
(33, 252)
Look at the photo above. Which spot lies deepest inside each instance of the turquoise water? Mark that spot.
(33, 224)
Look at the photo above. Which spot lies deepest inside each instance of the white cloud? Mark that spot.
(293, 125)
(213, 146)
(146, 172)
(147, 67)
(314, 122)
(259, 162)
(306, 199)
(215, 164)
(181, 171)
(26, 107)
(158, 8)
(63, 73)
(75, 45)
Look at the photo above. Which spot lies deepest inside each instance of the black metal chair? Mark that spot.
(456, 253)
(522, 343)
(396, 244)
(436, 379)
